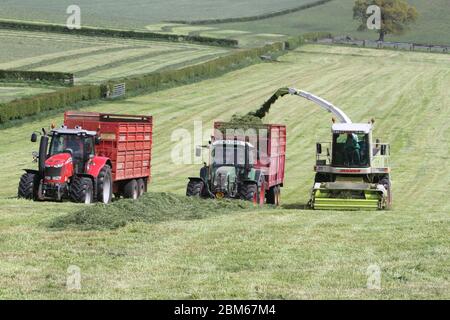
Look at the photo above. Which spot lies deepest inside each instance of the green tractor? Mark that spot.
(247, 164)
(230, 173)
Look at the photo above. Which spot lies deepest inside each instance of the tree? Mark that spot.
(396, 15)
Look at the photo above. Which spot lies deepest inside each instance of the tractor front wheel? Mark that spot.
(194, 188)
(249, 192)
(82, 190)
(28, 186)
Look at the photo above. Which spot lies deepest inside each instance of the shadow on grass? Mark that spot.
(295, 206)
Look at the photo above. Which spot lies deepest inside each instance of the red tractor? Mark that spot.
(90, 158)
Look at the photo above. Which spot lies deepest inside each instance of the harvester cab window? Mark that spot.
(350, 150)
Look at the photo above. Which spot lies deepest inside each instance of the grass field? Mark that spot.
(334, 17)
(96, 59)
(282, 254)
(115, 13)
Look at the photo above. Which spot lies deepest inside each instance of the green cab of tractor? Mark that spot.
(229, 174)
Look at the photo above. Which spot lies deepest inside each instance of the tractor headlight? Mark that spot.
(59, 165)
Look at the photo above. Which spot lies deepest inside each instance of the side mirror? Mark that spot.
(198, 151)
(97, 140)
(33, 137)
(319, 148)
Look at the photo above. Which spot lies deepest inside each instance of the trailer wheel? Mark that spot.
(130, 190)
(249, 192)
(82, 190)
(28, 186)
(141, 187)
(194, 188)
(277, 195)
(104, 185)
(271, 195)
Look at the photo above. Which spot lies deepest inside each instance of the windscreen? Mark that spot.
(229, 154)
(351, 150)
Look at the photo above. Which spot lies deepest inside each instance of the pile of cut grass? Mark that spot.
(150, 208)
(245, 119)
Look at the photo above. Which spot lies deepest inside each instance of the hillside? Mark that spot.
(261, 254)
(337, 17)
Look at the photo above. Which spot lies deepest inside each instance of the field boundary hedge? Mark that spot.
(115, 33)
(60, 78)
(66, 97)
(253, 18)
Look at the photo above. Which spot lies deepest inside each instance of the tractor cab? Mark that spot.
(231, 161)
(352, 147)
(75, 144)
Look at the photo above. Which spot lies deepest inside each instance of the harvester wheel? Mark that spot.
(82, 190)
(104, 185)
(130, 190)
(386, 182)
(249, 192)
(194, 188)
(141, 187)
(28, 186)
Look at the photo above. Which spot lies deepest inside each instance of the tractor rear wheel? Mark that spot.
(249, 192)
(194, 188)
(130, 190)
(81, 190)
(141, 187)
(28, 186)
(104, 185)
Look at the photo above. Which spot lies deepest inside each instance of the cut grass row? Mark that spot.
(287, 253)
(99, 59)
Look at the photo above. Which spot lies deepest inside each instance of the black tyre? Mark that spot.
(277, 195)
(386, 182)
(130, 190)
(194, 188)
(81, 190)
(249, 192)
(104, 185)
(141, 187)
(28, 186)
(271, 195)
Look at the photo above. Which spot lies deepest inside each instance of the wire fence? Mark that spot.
(385, 45)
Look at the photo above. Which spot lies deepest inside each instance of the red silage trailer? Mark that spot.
(125, 139)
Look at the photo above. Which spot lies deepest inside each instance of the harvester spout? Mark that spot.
(264, 109)
(322, 103)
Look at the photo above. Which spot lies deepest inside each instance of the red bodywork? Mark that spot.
(270, 140)
(125, 143)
